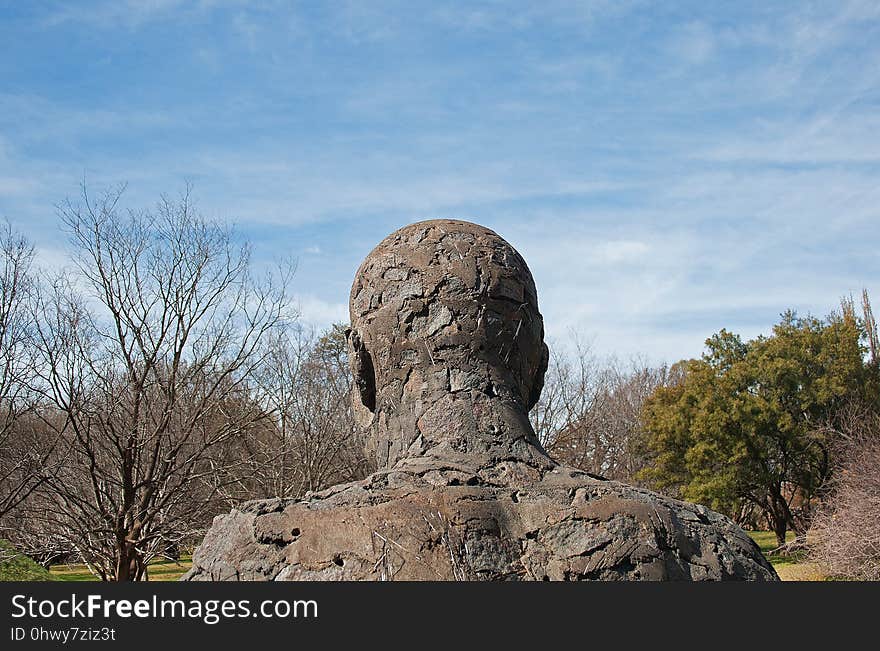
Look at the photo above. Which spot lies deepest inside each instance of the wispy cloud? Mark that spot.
(665, 173)
(693, 43)
(317, 312)
(130, 14)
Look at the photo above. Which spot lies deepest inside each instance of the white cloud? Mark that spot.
(320, 313)
(829, 138)
(618, 251)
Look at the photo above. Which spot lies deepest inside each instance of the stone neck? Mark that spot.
(466, 428)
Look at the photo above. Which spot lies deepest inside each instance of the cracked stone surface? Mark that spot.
(448, 356)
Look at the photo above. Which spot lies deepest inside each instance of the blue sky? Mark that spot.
(666, 169)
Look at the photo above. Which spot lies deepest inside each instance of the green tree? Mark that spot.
(751, 424)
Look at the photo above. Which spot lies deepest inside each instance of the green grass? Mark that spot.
(793, 567)
(20, 567)
(790, 568)
(159, 570)
(767, 539)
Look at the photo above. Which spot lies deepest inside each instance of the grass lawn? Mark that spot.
(159, 570)
(20, 567)
(789, 568)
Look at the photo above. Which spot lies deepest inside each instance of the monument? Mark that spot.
(448, 356)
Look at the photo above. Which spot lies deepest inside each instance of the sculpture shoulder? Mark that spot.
(567, 525)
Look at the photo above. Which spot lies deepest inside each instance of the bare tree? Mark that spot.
(845, 533)
(578, 441)
(313, 441)
(867, 323)
(626, 389)
(148, 351)
(589, 414)
(25, 447)
(870, 324)
(548, 416)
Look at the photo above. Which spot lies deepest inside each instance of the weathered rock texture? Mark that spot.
(448, 357)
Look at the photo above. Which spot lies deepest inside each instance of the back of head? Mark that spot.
(442, 311)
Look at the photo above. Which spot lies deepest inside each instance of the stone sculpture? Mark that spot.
(446, 348)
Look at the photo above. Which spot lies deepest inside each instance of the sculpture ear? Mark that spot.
(538, 377)
(361, 364)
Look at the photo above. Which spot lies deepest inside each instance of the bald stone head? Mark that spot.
(446, 343)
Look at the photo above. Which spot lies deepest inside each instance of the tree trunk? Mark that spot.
(780, 527)
(779, 516)
(129, 563)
